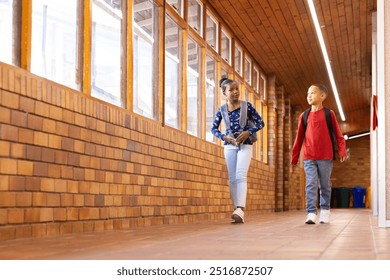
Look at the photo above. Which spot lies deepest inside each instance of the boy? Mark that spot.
(317, 153)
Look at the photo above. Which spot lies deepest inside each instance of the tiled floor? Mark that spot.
(353, 234)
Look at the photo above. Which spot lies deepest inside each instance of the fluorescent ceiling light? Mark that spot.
(346, 137)
(326, 57)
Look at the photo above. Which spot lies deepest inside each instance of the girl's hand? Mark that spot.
(242, 137)
(230, 140)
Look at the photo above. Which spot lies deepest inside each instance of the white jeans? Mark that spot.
(238, 160)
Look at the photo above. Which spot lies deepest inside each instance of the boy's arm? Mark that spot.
(341, 146)
(296, 149)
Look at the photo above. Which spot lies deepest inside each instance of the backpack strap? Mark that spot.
(304, 119)
(328, 117)
(243, 113)
(225, 116)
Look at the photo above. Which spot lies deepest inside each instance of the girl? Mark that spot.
(237, 143)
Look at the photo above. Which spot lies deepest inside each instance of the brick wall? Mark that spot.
(71, 163)
(280, 189)
(356, 171)
(297, 199)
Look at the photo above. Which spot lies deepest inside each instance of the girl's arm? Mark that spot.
(215, 127)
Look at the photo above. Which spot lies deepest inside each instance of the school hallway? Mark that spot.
(353, 234)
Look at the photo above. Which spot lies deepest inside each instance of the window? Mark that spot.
(238, 60)
(6, 30)
(211, 93)
(193, 88)
(256, 79)
(195, 15)
(106, 52)
(172, 72)
(212, 32)
(263, 87)
(226, 43)
(248, 70)
(54, 41)
(145, 58)
(177, 6)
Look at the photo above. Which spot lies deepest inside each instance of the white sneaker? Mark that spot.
(324, 216)
(311, 218)
(238, 216)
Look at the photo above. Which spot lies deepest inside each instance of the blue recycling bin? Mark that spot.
(359, 194)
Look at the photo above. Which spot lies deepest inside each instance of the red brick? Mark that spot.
(15, 216)
(5, 115)
(33, 184)
(46, 215)
(54, 171)
(9, 132)
(40, 169)
(24, 231)
(53, 200)
(72, 214)
(41, 139)
(39, 230)
(35, 122)
(53, 229)
(19, 118)
(66, 228)
(39, 199)
(5, 149)
(18, 150)
(60, 214)
(31, 215)
(3, 216)
(17, 183)
(24, 199)
(27, 104)
(7, 233)
(25, 168)
(10, 100)
(7, 199)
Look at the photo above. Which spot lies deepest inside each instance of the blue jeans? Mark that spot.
(318, 177)
(238, 160)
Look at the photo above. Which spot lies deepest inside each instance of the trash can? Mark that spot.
(343, 197)
(334, 198)
(358, 196)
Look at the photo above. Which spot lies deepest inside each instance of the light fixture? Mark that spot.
(326, 57)
(346, 137)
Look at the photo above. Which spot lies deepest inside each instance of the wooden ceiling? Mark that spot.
(281, 37)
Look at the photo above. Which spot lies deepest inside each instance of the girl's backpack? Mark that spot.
(243, 120)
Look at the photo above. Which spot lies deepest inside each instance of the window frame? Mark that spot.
(179, 10)
(201, 15)
(256, 77)
(249, 60)
(230, 40)
(239, 71)
(213, 18)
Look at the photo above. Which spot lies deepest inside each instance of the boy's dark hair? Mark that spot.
(223, 82)
(322, 88)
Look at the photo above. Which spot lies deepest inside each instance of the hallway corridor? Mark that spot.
(352, 235)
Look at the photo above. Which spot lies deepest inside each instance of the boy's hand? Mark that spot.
(342, 159)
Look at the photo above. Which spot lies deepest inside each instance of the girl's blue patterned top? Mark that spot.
(235, 125)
